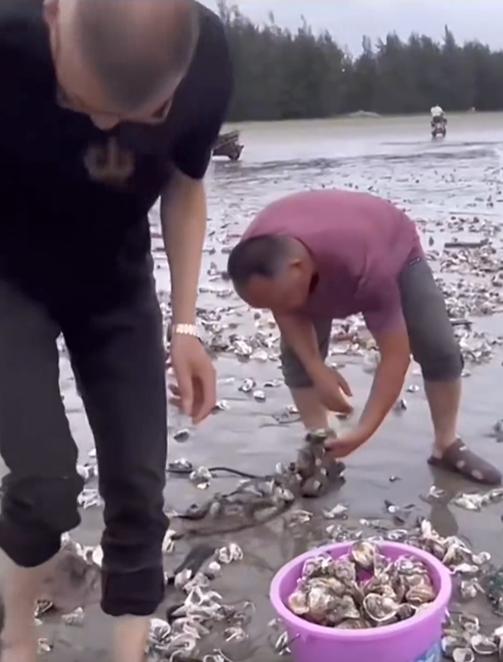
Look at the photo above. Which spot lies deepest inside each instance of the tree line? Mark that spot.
(282, 74)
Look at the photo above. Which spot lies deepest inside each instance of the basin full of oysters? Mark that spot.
(363, 589)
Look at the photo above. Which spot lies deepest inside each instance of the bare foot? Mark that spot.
(130, 638)
(25, 652)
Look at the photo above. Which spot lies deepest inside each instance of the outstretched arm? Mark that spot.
(299, 334)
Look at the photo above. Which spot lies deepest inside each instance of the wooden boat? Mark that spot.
(228, 145)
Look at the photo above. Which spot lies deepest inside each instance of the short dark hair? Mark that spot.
(128, 64)
(264, 255)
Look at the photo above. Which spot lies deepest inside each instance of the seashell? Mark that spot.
(181, 435)
(363, 554)
(420, 595)
(451, 643)
(482, 558)
(201, 478)
(229, 554)
(160, 631)
(43, 607)
(483, 645)
(345, 571)
(469, 623)
(332, 584)
(318, 567)
(463, 655)
(320, 602)
(405, 611)
(381, 563)
(247, 386)
(353, 624)
(498, 633)
(44, 647)
(298, 603)
(337, 512)
(469, 589)
(75, 618)
(379, 609)
(344, 610)
(465, 569)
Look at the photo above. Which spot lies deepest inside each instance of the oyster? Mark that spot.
(298, 603)
(363, 554)
(463, 655)
(450, 643)
(420, 594)
(379, 609)
(318, 567)
(320, 603)
(345, 610)
(345, 571)
(483, 645)
(337, 512)
(405, 611)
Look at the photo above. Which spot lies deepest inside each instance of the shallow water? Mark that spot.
(433, 181)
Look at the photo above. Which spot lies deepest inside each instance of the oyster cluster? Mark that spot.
(364, 589)
(463, 640)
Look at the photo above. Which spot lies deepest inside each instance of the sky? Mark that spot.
(348, 20)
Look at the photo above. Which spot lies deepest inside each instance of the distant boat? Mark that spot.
(228, 145)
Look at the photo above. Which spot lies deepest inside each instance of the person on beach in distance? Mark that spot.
(316, 256)
(106, 105)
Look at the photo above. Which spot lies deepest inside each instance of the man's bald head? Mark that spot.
(136, 46)
(133, 47)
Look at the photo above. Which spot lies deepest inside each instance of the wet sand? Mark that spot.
(434, 181)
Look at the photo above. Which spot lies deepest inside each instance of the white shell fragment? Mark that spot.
(75, 618)
(229, 554)
(337, 512)
(201, 478)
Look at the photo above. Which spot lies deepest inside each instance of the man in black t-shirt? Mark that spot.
(105, 106)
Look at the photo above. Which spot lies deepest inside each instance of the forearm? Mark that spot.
(299, 334)
(385, 391)
(183, 218)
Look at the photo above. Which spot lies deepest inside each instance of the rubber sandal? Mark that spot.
(459, 459)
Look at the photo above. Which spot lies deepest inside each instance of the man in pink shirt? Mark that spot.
(318, 256)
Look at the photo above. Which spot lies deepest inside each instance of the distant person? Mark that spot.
(438, 117)
(316, 256)
(437, 112)
(106, 105)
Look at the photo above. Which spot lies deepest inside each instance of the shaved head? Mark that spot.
(134, 47)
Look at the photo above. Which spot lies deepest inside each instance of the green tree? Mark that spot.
(281, 74)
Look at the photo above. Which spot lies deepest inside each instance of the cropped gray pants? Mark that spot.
(431, 335)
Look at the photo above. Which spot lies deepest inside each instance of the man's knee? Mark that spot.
(294, 373)
(49, 503)
(35, 512)
(443, 364)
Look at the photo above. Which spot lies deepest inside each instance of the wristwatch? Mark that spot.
(186, 330)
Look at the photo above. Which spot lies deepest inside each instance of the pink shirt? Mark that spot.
(359, 243)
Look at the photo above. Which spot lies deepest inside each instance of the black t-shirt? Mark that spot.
(59, 219)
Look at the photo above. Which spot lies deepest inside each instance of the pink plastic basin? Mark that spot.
(414, 640)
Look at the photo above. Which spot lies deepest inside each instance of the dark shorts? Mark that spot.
(117, 356)
(431, 335)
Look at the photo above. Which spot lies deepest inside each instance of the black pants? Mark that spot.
(118, 359)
